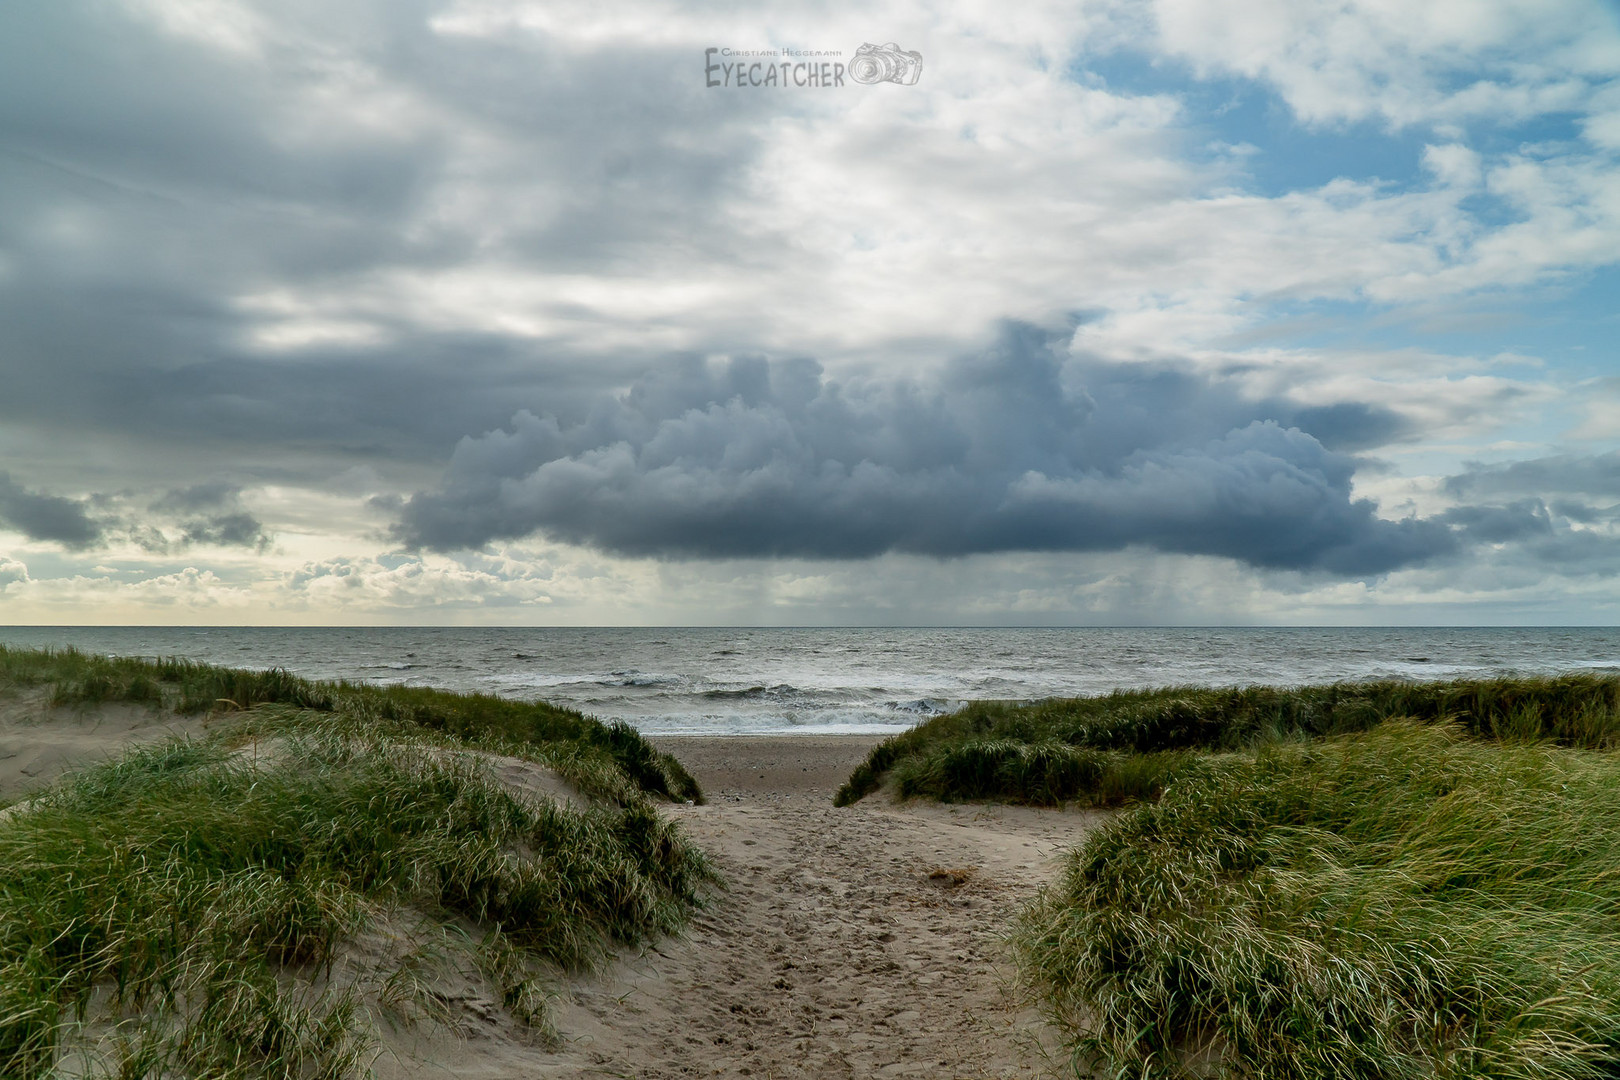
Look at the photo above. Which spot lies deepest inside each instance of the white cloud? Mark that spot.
(1601, 408)
(11, 572)
(1401, 63)
(1454, 165)
(370, 585)
(225, 25)
(188, 596)
(854, 224)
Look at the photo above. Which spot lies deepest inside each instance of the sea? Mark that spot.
(801, 681)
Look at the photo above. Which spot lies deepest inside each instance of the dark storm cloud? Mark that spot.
(1529, 533)
(142, 377)
(234, 530)
(1523, 519)
(1582, 513)
(211, 513)
(1551, 512)
(1352, 425)
(45, 517)
(212, 495)
(1565, 474)
(1009, 451)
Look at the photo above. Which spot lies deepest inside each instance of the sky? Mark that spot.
(1161, 312)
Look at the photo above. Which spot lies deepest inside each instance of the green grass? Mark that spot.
(1043, 773)
(1359, 880)
(198, 895)
(82, 679)
(1411, 901)
(183, 911)
(1128, 745)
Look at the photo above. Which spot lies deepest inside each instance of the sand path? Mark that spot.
(840, 949)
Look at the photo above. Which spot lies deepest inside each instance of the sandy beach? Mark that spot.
(854, 942)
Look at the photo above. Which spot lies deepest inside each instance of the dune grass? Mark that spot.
(1380, 879)
(1127, 745)
(1410, 901)
(195, 896)
(187, 910)
(188, 687)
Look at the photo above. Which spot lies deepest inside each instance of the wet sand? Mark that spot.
(767, 765)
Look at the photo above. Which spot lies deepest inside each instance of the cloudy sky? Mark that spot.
(499, 311)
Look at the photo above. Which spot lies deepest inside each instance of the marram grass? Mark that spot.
(1127, 745)
(174, 890)
(188, 687)
(1404, 902)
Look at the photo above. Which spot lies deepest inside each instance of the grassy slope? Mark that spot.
(1359, 880)
(197, 896)
(1127, 745)
(186, 686)
(1407, 902)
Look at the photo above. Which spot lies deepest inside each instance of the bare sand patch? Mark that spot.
(39, 741)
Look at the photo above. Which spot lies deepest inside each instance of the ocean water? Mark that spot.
(823, 681)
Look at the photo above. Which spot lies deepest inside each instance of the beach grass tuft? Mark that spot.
(178, 887)
(1127, 745)
(1409, 901)
(188, 687)
(189, 909)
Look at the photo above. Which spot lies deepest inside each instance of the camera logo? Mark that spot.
(885, 63)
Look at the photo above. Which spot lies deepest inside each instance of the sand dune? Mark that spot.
(855, 942)
(39, 742)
